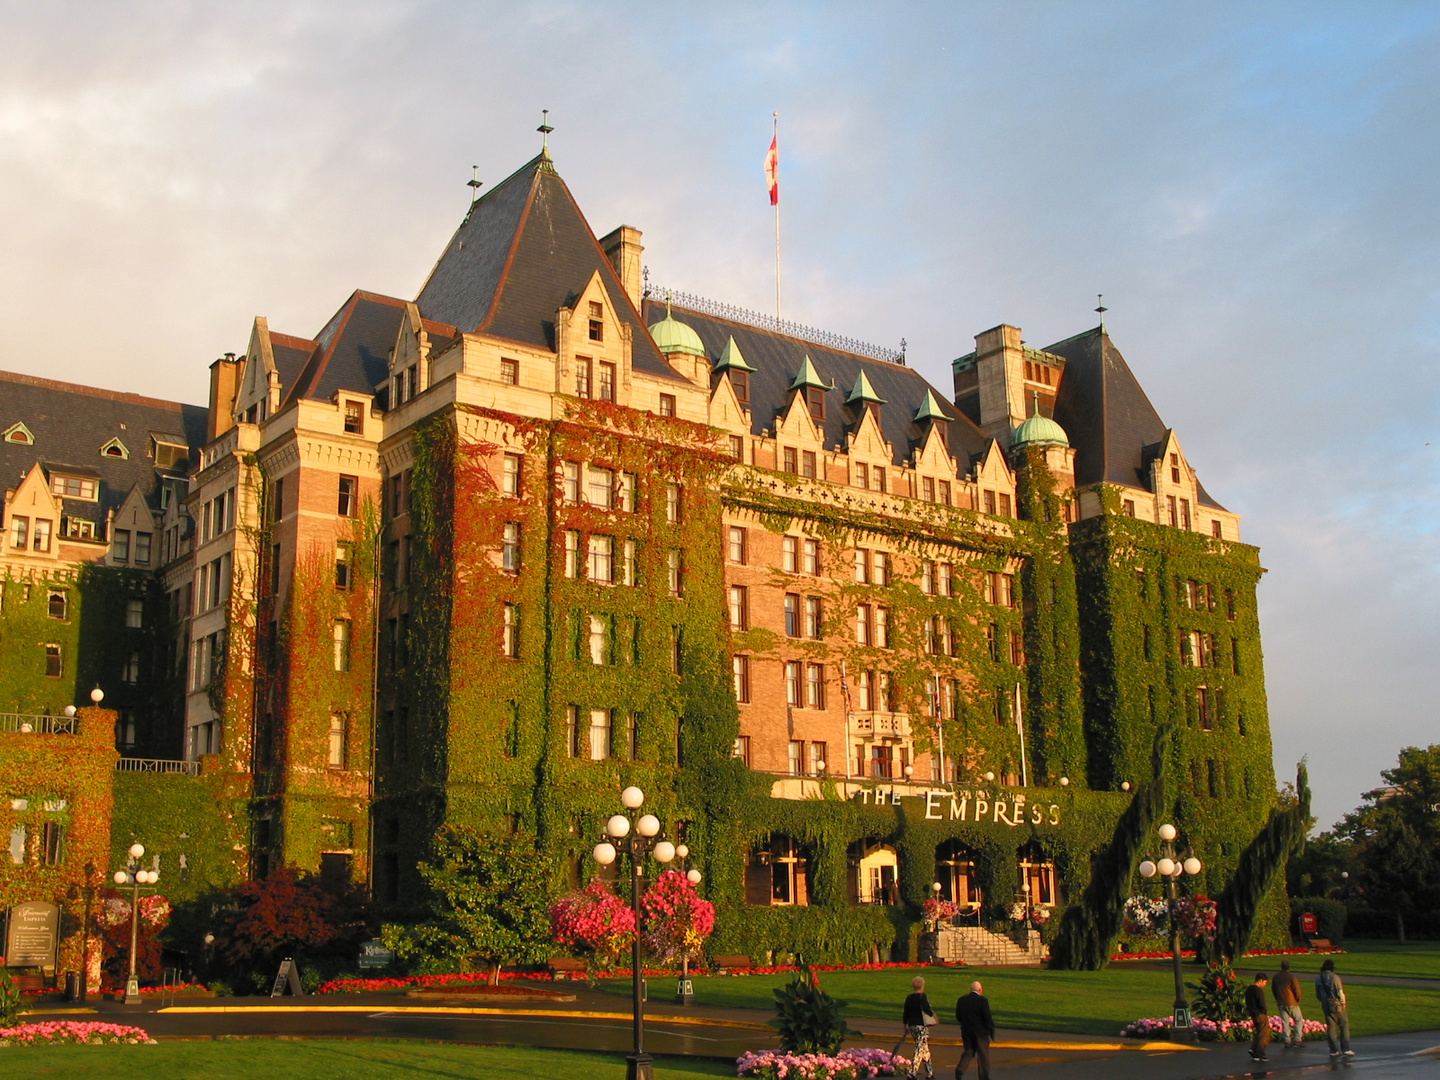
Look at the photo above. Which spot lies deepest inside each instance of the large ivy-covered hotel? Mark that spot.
(488, 555)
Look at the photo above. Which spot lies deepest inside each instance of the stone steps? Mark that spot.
(976, 947)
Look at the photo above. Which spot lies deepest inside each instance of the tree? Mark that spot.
(488, 903)
(1088, 929)
(1396, 837)
(289, 913)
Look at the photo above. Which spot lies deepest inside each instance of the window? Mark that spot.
(336, 756)
(739, 607)
(810, 562)
(277, 506)
(865, 691)
(130, 670)
(737, 447)
(625, 572)
(815, 686)
(135, 614)
(52, 839)
(882, 628)
(354, 418)
(510, 548)
(814, 618)
(626, 485)
(341, 640)
(1127, 507)
(510, 632)
(54, 668)
(80, 528)
(510, 372)
(600, 727)
(571, 482)
(41, 536)
(796, 756)
(115, 448)
(927, 489)
(597, 322)
(815, 401)
(349, 489)
(880, 568)
(72, 487)
(1230, 605)
(1174, 468)
(790, 460)
(945, 492)
(1017, 648)
(1004, 504)
(677, 650)
(59, 603)
(20, 532)
(19, 433)
(927, 577)
(992, 641)
(792, 615)
(602, 559)
(143, 543)
(1215, 528)
(673, 503)
(946, 582)
(1145, 647)
(864, 626)
(807, 464)
(880, 483)
(1174, 514)
(1185, 513)
(572, 554)
(598, 640)
(510, 473)
(1204, 708)
(886, 698)
(606, 389)
(1235, 656)
(342, 566)
(667, 404)
(740, 671)
(862, 475)
(572, 734)
(792, 682)
(676, 568)
(582, 376)
(742, 750)
(789, 554)
(882, 763)
(737, 544)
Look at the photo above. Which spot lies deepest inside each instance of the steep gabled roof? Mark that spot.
(353, 351)
(291, 355)
(70, 424)
(1106, 414)
(776, 358)
(524, 251)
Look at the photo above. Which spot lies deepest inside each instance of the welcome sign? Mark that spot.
(31, 935)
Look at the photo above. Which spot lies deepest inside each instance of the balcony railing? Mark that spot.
(157, 765)
(27, 723)
(888, 724)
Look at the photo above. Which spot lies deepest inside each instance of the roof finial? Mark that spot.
(474, 184)
(1100, 297)
(667, 303)
(545, 130)
(1036, 410)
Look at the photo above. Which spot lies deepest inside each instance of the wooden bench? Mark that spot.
(28, 982)
(727, 963)
(564, 967)
(1320, 943)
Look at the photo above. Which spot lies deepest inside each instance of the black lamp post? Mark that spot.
(642, 842)
(1170, 868)
(133, 876)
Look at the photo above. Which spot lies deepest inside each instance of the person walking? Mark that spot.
(1286, 988)
(1259, 1011)
(977, 1028)
(917, 1018)
(1331, 992)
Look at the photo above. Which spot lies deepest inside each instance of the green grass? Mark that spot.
(329, 1060)
(1420, 960)
(1082, 1002)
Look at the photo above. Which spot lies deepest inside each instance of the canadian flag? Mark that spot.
(772, 170)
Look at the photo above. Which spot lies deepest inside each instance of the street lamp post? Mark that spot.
(638, 1064)
(135, 877)
(1170, 868)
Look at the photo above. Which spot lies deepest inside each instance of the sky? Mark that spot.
(1251, 187)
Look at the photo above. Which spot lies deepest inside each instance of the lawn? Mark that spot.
(1084, 1002)
(1420, 960)
(329, 1060)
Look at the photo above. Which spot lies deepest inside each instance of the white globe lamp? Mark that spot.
(1168, 832)
(618, 826)
(604, 854)
(664, 851)
(632, 798)
(1148, 869)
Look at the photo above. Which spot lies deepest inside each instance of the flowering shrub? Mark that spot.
(1215, 1031)
(1144, 916)
(71, 1031)
(596, 922)
(935, 911)
(1196, 917)
(1219, 996)
(113, 921)
(1165, 954)
(857, 1064)
(1039, 916)
(154, 912)
(677, 920)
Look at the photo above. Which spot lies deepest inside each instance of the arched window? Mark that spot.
(778, 872)
(1038, 883)
(873, 873)
(956, 872)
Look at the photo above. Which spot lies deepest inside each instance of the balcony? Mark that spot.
(880, 725)
(157, 765)
(28, 723)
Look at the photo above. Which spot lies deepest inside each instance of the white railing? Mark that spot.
(157, 765)
(26, 723)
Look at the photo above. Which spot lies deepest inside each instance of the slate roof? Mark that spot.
(353, 351)
(71, 423)
(1114, 429)
(777, 358)
(523, 251)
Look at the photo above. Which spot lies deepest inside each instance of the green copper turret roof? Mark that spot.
(808, 376)
(673, 336)
(930, 408)
(732, 358)
(1038, 430)
(863, 391)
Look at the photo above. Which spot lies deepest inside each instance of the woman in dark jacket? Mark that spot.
(917, 1008)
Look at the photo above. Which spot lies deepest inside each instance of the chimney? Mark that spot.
(224, 381)
(1000, 365)
(622, 247)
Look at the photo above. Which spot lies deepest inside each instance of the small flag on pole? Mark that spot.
(772, 170)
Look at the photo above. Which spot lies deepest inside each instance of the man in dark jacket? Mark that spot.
(977, 1028)
(1259, 1010)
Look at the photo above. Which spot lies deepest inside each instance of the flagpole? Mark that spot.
(777, 221)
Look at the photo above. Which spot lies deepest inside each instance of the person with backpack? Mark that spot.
(1331, 992)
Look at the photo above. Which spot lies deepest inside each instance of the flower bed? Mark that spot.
(1157, 1027)
(856, 1064)
(1189, 954)
(53, 1032)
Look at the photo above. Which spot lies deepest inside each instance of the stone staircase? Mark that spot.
(976, 947)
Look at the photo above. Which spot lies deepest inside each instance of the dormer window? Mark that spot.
(19, 433)
(740, 383)
(815, 401)
(72, 487)
(116, 449)
(168, 455)
(354, 418)
(597, 321)
(1174, 468)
